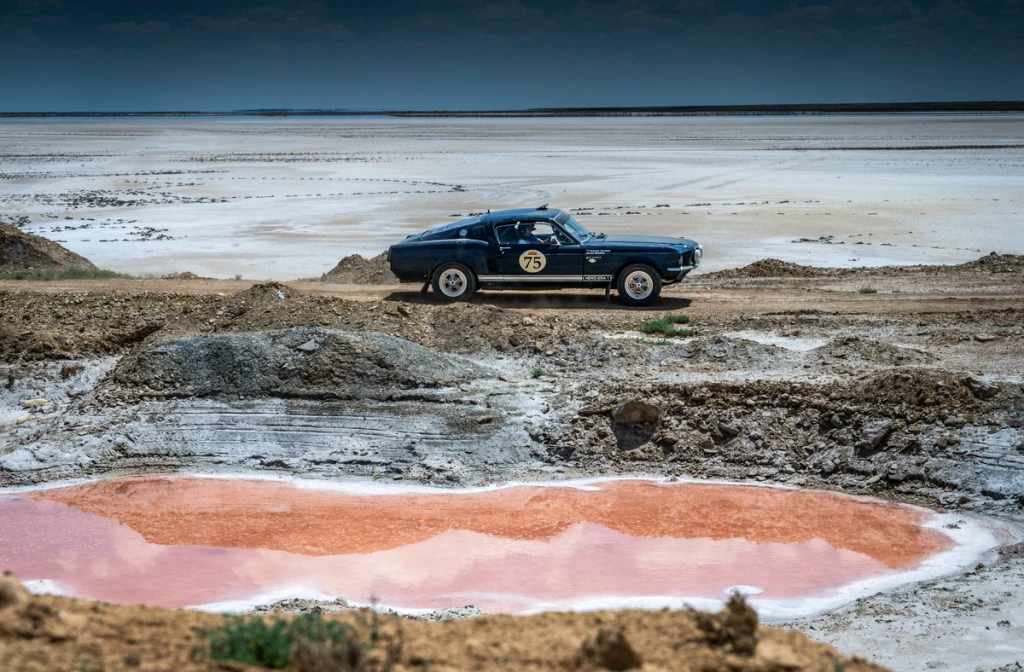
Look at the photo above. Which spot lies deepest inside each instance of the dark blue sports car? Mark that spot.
(540, 248)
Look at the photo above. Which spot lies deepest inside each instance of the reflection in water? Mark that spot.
(185, 541)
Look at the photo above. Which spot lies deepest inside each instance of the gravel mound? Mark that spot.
(866, 351)
(770, 268)
(304, 362)
(729, 352)
(998, 263)
(358, 270)
(20, 251)
(774, 268)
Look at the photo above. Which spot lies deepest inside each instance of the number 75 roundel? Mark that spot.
(532, 261)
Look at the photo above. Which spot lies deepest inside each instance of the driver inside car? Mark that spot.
(525, 232)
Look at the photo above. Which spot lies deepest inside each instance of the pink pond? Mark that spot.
(179, 541)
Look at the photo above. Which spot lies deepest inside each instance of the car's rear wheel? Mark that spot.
(638, 285)
(453, 282)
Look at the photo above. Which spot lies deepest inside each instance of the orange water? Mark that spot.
(179, 541)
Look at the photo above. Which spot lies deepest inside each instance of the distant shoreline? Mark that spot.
(974, 107)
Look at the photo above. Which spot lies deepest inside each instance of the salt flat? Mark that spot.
(287, 197)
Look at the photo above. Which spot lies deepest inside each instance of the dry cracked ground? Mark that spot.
(903, 383)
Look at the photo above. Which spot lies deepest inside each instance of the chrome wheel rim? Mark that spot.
(453, 283)
(639, 285)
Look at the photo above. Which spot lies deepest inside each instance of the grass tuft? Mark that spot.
(867, 290)
(254, 641)
(537, 372)
(666, 326)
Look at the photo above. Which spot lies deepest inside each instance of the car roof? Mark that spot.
(503, 216)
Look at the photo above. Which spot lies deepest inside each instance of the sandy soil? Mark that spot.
(42, 634)
(283, 199)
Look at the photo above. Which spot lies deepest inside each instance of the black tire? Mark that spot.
(453, 282)
(638, 285)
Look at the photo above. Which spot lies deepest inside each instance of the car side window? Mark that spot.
(530, 233)
(506, 234)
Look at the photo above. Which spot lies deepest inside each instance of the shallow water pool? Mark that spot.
(229, 543)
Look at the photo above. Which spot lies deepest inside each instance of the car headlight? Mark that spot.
(698, 253)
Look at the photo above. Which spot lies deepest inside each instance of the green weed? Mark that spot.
(867, 290)
(253, 641)
(666, 326)
(537, 372)
(306, 643)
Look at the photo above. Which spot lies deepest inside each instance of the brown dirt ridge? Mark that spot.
(47, 633)
(358, 270)
(20, 251)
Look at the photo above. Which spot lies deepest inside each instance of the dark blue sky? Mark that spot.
(452, 54)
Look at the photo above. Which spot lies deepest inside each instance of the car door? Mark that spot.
(547, 255)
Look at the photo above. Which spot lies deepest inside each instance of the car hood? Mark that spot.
(683, 243)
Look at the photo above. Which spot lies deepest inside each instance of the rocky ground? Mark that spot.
(904, 383)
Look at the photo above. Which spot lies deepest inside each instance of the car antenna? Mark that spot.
(543, 207)
(488, 211)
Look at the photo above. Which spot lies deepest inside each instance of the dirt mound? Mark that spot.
(998, 263)
(45, 633)
(185, 275)
(358, 270)
(305, 362)
(20, 251)
(728, 352)
(770, 268)
(266, 292)
(866, 351)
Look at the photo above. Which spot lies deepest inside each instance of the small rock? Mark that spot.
(403, 311)
(984, 338)
(484, 419)
(35, 403)
(308, 346)
(979, 386)
(23, 418)
(875, 434)
(635, 411)
(731, 430)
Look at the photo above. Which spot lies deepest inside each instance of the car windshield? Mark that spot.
(576, 229)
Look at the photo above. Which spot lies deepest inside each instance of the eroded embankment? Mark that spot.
(324, 402)
(946, 438)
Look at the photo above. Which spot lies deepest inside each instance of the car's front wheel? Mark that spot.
(453, 282)
(639, 285)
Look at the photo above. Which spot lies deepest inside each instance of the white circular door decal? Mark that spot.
(532, 261)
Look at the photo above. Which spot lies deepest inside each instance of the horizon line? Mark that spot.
(989, 106)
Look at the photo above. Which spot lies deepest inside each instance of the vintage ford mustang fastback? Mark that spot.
(540, 248)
